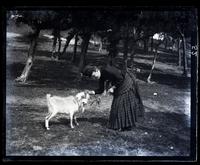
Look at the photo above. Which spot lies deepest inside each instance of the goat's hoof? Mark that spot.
(48, 128)
(72, 127)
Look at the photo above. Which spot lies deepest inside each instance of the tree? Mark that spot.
(35, 20)
(72, 32)
(38, 20)
(74, 57)
(88, 22)
(179, 52)
(183, 23)
(114, 25)
(175, 23)
(56, 36)
(25, 73)
(158, 41)
(183, 38)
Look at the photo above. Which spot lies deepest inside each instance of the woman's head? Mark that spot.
(92, 72)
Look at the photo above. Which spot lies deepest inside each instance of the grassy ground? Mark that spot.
(165, 130)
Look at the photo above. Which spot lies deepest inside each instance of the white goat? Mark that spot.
(69, 105)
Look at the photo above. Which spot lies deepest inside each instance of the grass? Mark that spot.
(165, 130)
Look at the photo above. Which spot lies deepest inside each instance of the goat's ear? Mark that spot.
(86, 91)
(77, 98)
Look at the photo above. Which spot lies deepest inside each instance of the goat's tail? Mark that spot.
(48, 95)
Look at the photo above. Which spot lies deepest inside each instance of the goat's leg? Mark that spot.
(47, 121)
(48, 118)
(75, 120)
(71, 120)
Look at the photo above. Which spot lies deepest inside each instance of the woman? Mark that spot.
(127, 105)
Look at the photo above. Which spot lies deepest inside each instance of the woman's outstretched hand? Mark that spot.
(111, 90)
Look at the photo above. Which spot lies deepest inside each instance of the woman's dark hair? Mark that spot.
(88, 70)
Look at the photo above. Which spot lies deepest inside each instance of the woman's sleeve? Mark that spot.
(101, 87)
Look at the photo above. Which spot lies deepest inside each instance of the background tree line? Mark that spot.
(116, 30)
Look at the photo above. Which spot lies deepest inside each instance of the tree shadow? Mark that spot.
(157, 131)
(163, 57)
(13, 70)
(175, 81)
(19, 50)
(152, 121)
(63, 72)
(51, 74)
(26, 39)
(145, 67)
(95, 120)
(169, 119)
(167, 59)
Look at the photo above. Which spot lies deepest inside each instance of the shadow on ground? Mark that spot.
(175, 81)
(159, 132)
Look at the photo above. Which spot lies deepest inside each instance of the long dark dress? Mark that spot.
(127, 105)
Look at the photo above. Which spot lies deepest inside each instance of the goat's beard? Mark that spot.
(81, 108)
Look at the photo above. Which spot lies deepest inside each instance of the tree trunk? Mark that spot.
(84, 47)
(56, 34)
(166, 43)
(68, 39)
(145, 45)
(132, 58)
(54, 46)
(125, 53)
(153, 65)
(112, 51)
(59, 43)
(100, 46)
(179, 52)
(184, 56)
(75, 49)
(173, 45)
(25, 73)
(152, 44)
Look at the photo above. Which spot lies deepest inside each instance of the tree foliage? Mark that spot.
(114, 25)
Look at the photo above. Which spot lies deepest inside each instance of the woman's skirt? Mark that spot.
(127, 106)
